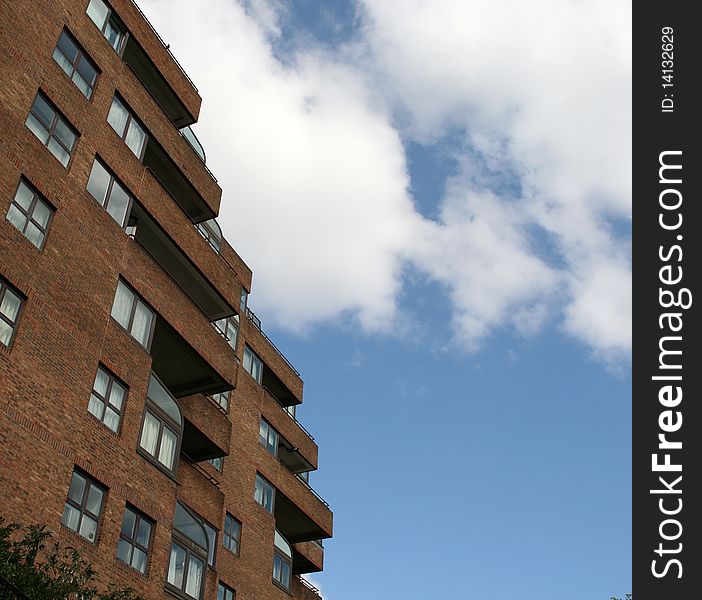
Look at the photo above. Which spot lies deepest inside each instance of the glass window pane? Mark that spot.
(117, 117)
(161, 398)
(98, 182)
(95, 406)
(5, 333)
(43, 111)
(116, 395)
(71, 517)
(141, 327)
(67, 47)
(58, 151)
(77, 488)
(41, 214)
(124, 551)
(94, 502)
(194, 581)
(135, 138)
(285, 579)
(149, 434)
(144, 533)
(64, 134)
(118, 203)
(139, 560)
(101, 381)
(37, 128)
(166, 453)
(81, 84)
(114, 35)
(212, 541)
(122, 306)
(10, 305)
(34, 235)
(97, 11)
(15, 216)
(184, 522)
(86, 70)
(62, 61)
(176, 566)
(111, 419)
(88, 528)
(128, 523)
(24, 196)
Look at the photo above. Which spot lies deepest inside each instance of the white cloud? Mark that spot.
(543, 90)
(314, 176)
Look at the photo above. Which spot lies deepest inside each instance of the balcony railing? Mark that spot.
(197, 468)
(309, 586)
(307, 433)
(166, 46)
(9, 591)
(257, 323)
(311, 489)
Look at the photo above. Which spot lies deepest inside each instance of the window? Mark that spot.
(282, 561)
(224, 592)
(30, 213)
(264, 493)
(135, 539)
(83, 507)
(222, 399)
(81, 70)
(212, 543)
(211, 231)
(243, 299)
(107, 398)
(110, 193)
(108, 23)
(127, 127)
(232, 534)
(131, 312)
(52, 129)
(217, 463)
(189, 551)
(229, 328)
(10, 305)
(162, 428)
(253, 364)
(268, 437)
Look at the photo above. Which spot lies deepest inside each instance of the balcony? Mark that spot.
(301, 514)
(207, 431)
(187, 353)
(178, 186)
(152, 61)
(146, 230)
(308, 557)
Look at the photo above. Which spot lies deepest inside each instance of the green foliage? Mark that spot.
(36, 564)
(628, 597)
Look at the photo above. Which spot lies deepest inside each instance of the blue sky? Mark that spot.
(435, 200)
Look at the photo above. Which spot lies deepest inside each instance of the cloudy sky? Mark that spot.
(441, 183)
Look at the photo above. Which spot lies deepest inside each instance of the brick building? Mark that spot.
(144, 415)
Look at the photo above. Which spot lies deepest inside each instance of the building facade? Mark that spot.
(145, 417)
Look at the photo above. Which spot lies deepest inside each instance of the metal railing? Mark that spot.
(307, 433)
(311, 489)
(257, 323)
(199, 469)
(166, 46)
(309, 586)
(9, 591)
